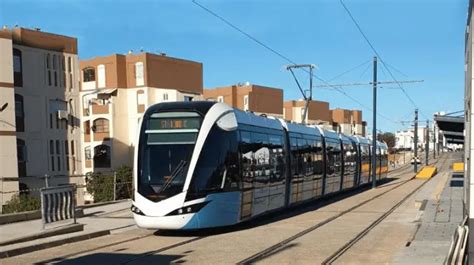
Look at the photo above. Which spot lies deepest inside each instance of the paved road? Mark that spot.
(229, 246)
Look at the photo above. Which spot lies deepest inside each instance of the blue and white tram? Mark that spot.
(205, 164)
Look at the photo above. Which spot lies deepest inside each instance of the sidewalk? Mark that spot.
(441, 211)
(97, 220)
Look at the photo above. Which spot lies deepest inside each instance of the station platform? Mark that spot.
(441, 211)
(97, 221)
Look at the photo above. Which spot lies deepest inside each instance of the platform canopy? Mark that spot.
(451, 126)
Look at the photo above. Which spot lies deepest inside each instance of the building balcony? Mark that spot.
(100, 109)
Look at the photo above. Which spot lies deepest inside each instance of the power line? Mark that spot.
(376, 53)
(350, 70)
(283, 56)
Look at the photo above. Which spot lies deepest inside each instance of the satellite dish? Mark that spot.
(4, 107)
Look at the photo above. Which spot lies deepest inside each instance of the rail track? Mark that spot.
(280, 245)
(202, 235)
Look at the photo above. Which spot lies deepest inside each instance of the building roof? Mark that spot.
(41, 40)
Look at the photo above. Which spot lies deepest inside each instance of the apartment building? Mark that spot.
(348, 121)
(39, 128)
(249, 97)
(115, 92)
(318, 112)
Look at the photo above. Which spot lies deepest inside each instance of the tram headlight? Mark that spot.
(135, 209)
(189, 209)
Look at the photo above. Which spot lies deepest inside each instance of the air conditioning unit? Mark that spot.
(62, 114)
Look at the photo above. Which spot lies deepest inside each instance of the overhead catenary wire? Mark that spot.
(376, 52)
(340, 90)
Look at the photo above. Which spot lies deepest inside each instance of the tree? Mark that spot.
(388, 138)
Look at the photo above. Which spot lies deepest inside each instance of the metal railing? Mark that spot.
(58, 204)
(90, 188)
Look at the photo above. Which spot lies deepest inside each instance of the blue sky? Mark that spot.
(423, 39)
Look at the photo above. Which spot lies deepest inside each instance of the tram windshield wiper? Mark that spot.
(179, 168)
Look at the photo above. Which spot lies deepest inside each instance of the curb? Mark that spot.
(28, 216)
(71, 228)
(87, 206)
(45, 245)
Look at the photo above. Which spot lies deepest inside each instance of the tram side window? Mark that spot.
(334, 157)
(317, 154)
(277, 158)
(304, 157)
(217, 166)
(246, 158)
(261, 161)
(294, 156)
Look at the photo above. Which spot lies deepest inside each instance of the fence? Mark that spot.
(90, 188)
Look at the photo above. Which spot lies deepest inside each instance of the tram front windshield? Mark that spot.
(166, 145)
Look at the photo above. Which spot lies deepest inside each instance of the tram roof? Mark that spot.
(249, 118)
(300, 128)
(201, 107)
(331, 134)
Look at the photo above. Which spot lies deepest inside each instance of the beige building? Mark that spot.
(249, 97)
(318, 112)
(348, 122)
(115, 92)
(39, 128)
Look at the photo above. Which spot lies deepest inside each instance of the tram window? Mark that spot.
(302, 157)
(217, 166)
(277, 163)
(317, 151)
(294, 156)
(261, 159)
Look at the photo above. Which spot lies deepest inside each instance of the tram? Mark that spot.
(205, 164)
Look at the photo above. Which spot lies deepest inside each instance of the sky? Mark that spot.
(417, 40)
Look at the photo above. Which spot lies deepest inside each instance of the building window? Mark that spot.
(141, 99)
(165, 96)
(58, 147)
(66, 147)
(246, 102)
(55, 78)
(188, 98)
(139, 77)
(51, 147)
(87, 152)
(73, 149)
(220, 99)
(101, 126)
(48, 61)
(54, 62)
(101, 76)
(19, 113)
(21, 150)
(102, 156)
(89, 74)
(17, 68)
(69, 64)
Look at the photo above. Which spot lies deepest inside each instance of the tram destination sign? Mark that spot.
(175, 123)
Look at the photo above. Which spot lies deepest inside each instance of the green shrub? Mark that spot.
(21, 203)
(124, 183)
(101, 185)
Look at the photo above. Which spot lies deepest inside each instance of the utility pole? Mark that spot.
(427, 142)
(374, 127)
(434, 139)
(415, 142)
